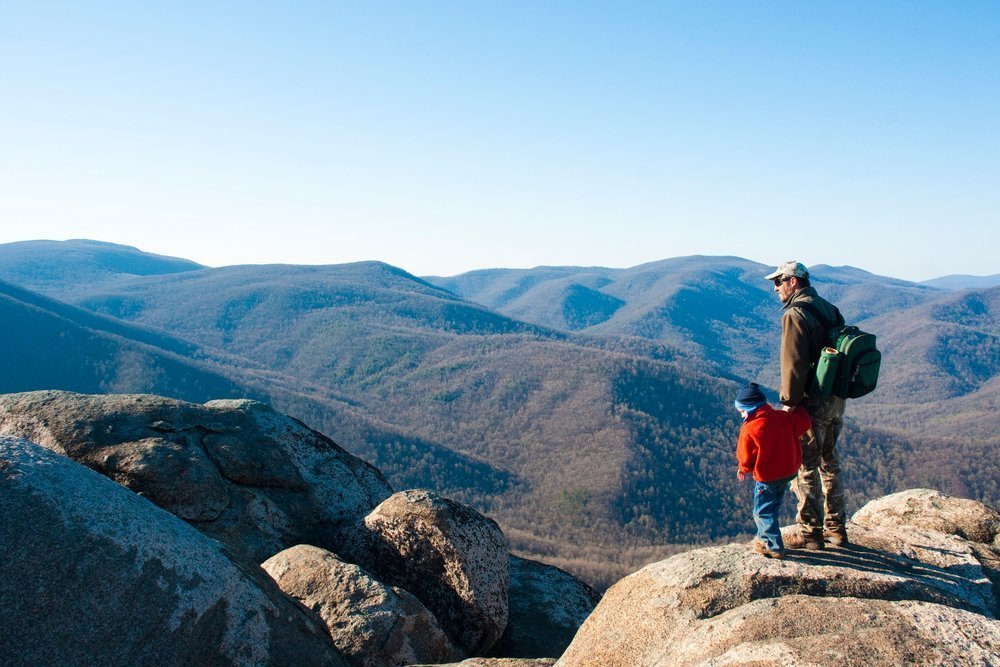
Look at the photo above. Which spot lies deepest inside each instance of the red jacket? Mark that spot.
(769, 443)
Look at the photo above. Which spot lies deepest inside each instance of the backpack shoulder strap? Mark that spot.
(814, 311)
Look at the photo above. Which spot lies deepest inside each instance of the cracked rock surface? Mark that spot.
(256, 480)
(904, 592)
(95, 575)
(451, 557)
(372, 624)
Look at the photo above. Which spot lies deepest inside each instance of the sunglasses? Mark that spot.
(778, 281)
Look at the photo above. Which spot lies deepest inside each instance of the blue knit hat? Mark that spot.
(750, 398)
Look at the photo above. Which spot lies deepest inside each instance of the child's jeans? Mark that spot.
(767, 498)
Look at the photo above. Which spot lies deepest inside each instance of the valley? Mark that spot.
(587, 410)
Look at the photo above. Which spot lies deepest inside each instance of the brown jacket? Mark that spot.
(802, 338)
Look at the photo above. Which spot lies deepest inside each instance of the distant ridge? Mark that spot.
(963, 281)
(94, 258)
(718, 308)
(81, 259)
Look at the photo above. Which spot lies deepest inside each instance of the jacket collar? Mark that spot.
(759, 412)
(804, 292)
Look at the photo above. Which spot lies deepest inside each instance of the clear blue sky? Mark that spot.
(448, 136)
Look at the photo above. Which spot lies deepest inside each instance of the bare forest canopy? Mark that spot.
(588, 410)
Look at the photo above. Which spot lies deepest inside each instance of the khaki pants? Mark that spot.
(818, 486)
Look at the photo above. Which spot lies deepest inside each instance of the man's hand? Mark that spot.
(740, 475)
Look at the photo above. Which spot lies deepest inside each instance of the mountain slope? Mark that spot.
(607, 435)
(717, 309)
(330, 323)
(58, 265)
(52, 345)
(49, 344)
(486, 387)
(941, 367)
(962, 281)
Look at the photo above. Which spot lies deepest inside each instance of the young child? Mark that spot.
(768, 447)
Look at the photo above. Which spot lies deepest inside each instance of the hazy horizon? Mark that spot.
(491, 268)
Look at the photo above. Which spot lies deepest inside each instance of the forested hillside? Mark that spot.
(48, 344)
(53, 266)
(939, 391)
(588, 410)
(942, 386)
(719, 309)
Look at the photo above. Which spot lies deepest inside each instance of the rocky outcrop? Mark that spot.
(451, 557)
(927, 509)
(372, 625)
(240, 472)
(900, 594)
(91, 573)
(547, 606)
(262, 483)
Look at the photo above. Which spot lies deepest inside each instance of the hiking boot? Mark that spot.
(796, 540)
(762, 549)
(836, 537)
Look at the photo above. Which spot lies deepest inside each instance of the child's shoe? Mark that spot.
(762, 549)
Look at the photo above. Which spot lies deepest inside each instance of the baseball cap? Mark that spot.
(789, 269)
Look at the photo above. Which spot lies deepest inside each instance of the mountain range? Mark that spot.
(588, 410)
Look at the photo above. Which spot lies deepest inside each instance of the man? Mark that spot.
(818, 486)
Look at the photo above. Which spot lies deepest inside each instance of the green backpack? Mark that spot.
(849, 364)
